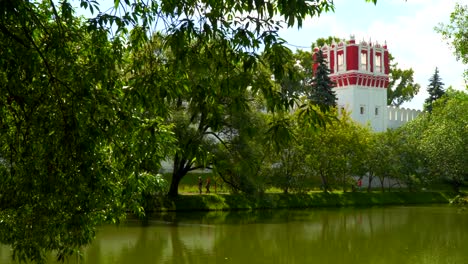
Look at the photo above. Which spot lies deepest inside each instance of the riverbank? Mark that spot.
(226, 202)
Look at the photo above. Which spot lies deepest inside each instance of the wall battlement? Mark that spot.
(399, 116)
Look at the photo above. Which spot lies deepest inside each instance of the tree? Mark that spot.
(435, 90)
(288, 172)
(395, 155)
(335, 153)
(294, 82)
(412, 170)
(320, 42)
(305, 61)
(72, 138)
(456, 33)
(445, 140)
(241, 160)
(286, 168)
(401, 87)
(218, 87)
(215, 68)
(80, 128)
(322, 92)
(387, 159)
(440, 139)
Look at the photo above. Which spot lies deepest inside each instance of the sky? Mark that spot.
(406, 26)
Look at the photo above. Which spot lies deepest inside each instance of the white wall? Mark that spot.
(399, 116)
(355, 96)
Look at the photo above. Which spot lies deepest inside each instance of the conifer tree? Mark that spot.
(435, 90)
(322, 86)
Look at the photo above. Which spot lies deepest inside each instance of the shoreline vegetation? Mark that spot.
(232, 202)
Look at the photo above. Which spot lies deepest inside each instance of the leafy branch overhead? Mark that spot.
(401, 87)
(86, 104)
(456, 33)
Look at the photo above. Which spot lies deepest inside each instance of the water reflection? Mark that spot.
(373, 235)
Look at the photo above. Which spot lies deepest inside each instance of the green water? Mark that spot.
(422, 234)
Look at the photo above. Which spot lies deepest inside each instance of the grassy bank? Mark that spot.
(282, 201)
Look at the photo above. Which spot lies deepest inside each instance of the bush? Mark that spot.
(141, 190)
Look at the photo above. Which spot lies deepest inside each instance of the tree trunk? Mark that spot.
(179, 171)
(456, 185)
(324, 182)
(370, 177)
(174, 188)
(344, 182)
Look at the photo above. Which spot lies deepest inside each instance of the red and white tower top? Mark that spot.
(357, 64)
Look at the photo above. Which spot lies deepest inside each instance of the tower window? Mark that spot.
(361, 110)
(376, 111)
(340, 62)
(378, 63)
(363, 61)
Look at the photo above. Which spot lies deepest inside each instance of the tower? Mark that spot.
(360, 71)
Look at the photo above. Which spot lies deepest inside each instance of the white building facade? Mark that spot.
(361, 73)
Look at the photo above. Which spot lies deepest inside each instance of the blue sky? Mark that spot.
(406, 26)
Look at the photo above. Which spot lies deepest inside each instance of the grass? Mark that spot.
(220, 199)
(189, 183)
(213, 202)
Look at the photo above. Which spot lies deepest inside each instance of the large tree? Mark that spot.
(335, 153)
(401, 87)
(82, 120)
(220, 86)
(441, 138)
(304, 61)
(73, 139)
(456, 33)
(240, 160)
(435, 90)
(411, 169)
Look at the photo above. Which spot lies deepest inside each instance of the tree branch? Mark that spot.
(219, 139)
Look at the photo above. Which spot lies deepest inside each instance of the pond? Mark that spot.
(412, 234)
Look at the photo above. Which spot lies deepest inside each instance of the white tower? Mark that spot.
(360, 71)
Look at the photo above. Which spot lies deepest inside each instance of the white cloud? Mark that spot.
(408, 28)
(416, 44)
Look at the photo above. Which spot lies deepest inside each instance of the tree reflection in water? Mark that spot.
(434, 234)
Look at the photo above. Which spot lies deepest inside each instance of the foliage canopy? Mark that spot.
(84, 104)
(456, 33)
